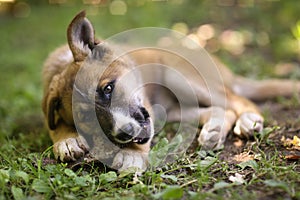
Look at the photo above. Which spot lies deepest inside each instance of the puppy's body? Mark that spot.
(133, 128)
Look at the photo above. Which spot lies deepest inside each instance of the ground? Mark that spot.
(261, 168)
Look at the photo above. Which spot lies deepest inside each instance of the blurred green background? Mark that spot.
(257, 38)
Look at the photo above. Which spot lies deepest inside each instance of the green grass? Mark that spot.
(26, 171)
(194, 176)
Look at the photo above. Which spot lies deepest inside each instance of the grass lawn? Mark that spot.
(259, 169)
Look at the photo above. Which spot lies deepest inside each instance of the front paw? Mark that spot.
(247, 124)
(128, 158)
(212, 136)
(70, 149)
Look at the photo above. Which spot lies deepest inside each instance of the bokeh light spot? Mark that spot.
(92, 2)
(192, 42)
(181, 27)
(21, 10)
(233, 41)
(206, 31)
(262, 39)
(118, 7)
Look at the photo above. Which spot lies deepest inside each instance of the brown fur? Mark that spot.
(62, 66)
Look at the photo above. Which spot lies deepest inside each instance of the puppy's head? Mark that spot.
(106, 89)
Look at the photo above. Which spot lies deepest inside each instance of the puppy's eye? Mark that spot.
(108, 89)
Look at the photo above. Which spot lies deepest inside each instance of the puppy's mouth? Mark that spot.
(138, 132)
(143, 118)
(140, 140)
(144, 135)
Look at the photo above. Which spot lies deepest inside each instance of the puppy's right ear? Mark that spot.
(81, 38)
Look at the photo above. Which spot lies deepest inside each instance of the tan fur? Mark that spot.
(63, 64)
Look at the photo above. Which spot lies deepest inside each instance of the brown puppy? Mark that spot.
(85, 77)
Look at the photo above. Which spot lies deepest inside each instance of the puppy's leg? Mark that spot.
(216, 122)
(249, 119)
(259, 90)
(67, 144)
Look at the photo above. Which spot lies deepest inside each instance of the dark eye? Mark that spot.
(108, 89)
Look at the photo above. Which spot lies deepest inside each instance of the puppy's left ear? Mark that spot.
(50, 103)
(50, 107)
(81, 37)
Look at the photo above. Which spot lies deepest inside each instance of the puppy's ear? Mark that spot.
(51, 104)
(80, 37)
(52, 108)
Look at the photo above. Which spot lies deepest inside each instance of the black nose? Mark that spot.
(126, 132)
(141, 115)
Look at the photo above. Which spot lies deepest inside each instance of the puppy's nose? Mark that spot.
(126, 132)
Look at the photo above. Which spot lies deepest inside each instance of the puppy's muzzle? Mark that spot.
(126, 132)
(138, 131)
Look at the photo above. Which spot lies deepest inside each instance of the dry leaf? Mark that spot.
(292, 157)
(243, 157)
(296, 141)
(291, 144)
(238, 143)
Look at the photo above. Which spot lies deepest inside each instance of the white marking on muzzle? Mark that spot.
(121, 119)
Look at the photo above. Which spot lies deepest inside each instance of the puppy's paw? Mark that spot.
(212, 135)
(128, 158)
(70, 149)
(247, 124)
